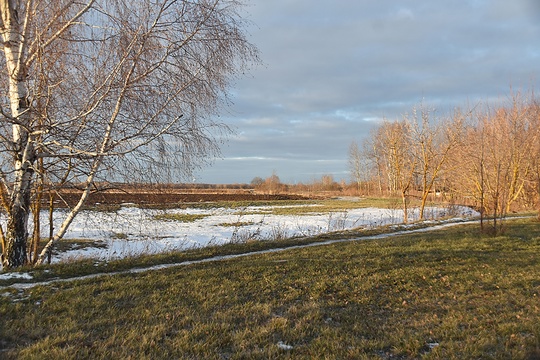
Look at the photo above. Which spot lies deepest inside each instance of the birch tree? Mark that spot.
(89, 86)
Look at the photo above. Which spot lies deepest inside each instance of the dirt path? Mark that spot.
(28, 285)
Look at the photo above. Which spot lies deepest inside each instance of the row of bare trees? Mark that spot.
(486, 157)
(273, 185)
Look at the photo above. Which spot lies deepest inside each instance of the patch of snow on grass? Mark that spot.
(15, 275)
(131, 231)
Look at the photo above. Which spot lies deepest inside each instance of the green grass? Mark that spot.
(449, 294)
(180, 217)
(331, 205)
(237, 224)
(300, 205)
(286, 208)
(77, 244)
(225, 204)
(82, 267)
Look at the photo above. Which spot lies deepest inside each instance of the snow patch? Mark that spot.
(284, 346)
(15, 275)
(131, 231)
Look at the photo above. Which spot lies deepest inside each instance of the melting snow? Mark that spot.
(132, 231)
(15, 275)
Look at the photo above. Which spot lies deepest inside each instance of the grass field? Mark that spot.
(448, 294)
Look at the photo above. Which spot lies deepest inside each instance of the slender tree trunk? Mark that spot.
(423, 204)
(482, 194)
(405, 208)
(13, 35)
(36, 212)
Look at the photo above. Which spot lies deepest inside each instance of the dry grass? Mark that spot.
(450, 294)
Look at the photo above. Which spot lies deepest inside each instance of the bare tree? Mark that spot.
(511, 135)
(433, 140)
(532, 188)
(393, 149)
(359, 166)
(374, 154)
(273, 184)
(95, 85)
(496, 159)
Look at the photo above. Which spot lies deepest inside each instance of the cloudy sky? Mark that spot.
(332, 69)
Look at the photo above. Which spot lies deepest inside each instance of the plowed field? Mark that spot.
(142, 197)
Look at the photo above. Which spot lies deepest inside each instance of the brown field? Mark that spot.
(142, 195)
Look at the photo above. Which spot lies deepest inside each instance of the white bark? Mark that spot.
(23, 152)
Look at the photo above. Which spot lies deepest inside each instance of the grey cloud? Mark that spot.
(331, 65)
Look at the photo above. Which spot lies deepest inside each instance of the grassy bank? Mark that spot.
(450, 294)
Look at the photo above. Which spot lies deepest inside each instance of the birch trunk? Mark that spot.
(13, 33)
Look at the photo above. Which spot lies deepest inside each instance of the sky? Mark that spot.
(333, 69)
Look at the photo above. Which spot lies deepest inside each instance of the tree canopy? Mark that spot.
(97, 89)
